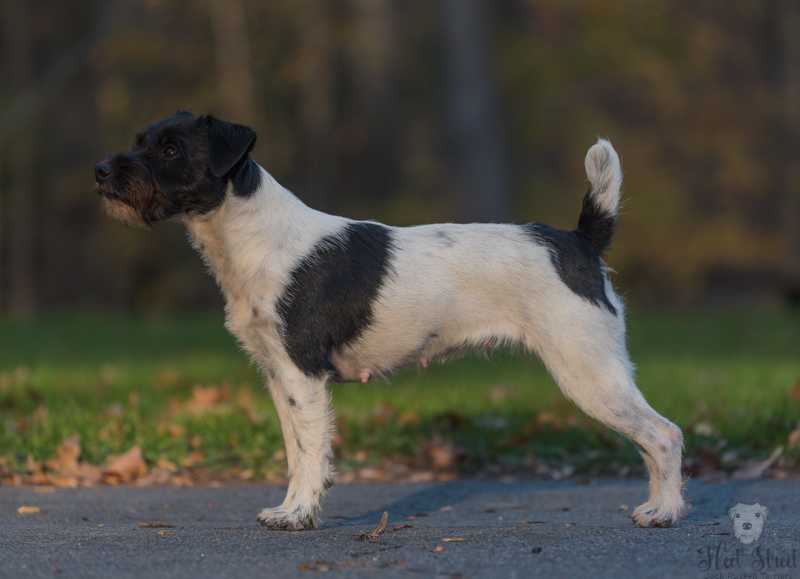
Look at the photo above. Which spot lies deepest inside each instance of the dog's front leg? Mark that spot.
(306, 415)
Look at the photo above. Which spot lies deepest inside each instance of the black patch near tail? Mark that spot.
(576, 259)
(596, 224)
(328, 301)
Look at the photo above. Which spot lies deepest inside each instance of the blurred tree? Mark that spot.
(411, 112)
(232, 52)
(790, 33)
(480, 174)
(21, 205)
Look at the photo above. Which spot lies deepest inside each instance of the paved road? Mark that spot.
(509, 529)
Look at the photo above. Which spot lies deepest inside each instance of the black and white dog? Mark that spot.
(318, 298)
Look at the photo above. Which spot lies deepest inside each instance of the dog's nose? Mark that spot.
(102, 171)
(747, 526)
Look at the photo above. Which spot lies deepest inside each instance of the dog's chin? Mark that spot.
(124, 212)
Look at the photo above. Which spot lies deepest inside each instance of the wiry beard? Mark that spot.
(141, 205)
(123, 212)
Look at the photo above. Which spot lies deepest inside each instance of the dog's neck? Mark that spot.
(257, 239)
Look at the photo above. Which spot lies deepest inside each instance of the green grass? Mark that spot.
(119, 381)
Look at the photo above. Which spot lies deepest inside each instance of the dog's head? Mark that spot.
(180, 165)
(748, 521)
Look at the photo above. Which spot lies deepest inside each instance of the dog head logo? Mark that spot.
(748, 521)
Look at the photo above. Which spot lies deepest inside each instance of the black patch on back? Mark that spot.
(577, 262)
(328, 301)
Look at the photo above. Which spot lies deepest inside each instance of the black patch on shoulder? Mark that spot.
(577, 262)
(328, 301)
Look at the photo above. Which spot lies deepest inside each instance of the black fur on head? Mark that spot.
(179, 165)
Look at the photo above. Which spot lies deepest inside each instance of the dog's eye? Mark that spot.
(169, 152)
(758, 515)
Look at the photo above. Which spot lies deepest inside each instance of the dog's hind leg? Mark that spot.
(586, 355)
(306, 415)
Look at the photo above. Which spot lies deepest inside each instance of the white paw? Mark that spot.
(291, 519)
(653, 514)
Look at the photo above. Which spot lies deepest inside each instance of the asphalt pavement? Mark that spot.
(471, 528)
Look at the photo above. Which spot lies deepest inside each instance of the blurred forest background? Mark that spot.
(411, 112)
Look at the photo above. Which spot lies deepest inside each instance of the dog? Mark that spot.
(748, 521)
(317, 298)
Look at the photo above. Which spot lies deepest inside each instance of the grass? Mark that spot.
(730, 378)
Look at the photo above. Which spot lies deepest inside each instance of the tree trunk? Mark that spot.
(479, 164)
(20, 205)
(791, 24)
(316, 45)
(371, 48)
(234, 70)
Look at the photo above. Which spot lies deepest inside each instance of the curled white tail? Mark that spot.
(604, 172)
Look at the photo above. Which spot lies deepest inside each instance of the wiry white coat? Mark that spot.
(451, 286)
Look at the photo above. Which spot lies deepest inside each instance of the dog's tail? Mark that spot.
(601, 203)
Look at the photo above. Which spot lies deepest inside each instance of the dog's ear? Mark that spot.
(228, 143)
(732, 512)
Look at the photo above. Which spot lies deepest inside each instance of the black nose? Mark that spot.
(747, 526)
(102, 171)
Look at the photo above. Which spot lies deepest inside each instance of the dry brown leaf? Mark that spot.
(166, 533)
(125, 467)
(548, 419)
(438, 549)
(44, 490)
(176, 431)
(796, 391)
(194, 458)
(453, 540)
(756, 470)
(408, 418)
(442, 455)
(155, 525)
(375, 534)
(206, 399)
(65, 462)
(28, 510)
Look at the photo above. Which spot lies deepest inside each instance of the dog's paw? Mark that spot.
(657, 515)
(282, 519)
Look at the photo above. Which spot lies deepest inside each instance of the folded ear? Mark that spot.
(228, 143)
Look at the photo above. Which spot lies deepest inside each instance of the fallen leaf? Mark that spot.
(166, 533)
(794, 438)
(44, 490)
(156, 525)
(441, 454)
(206, 399)
(67, 455)
(438, 549)
(321, 566)
(453, 539)
(375, 534)
(28, 510)
(125, 467)
(756, 470)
